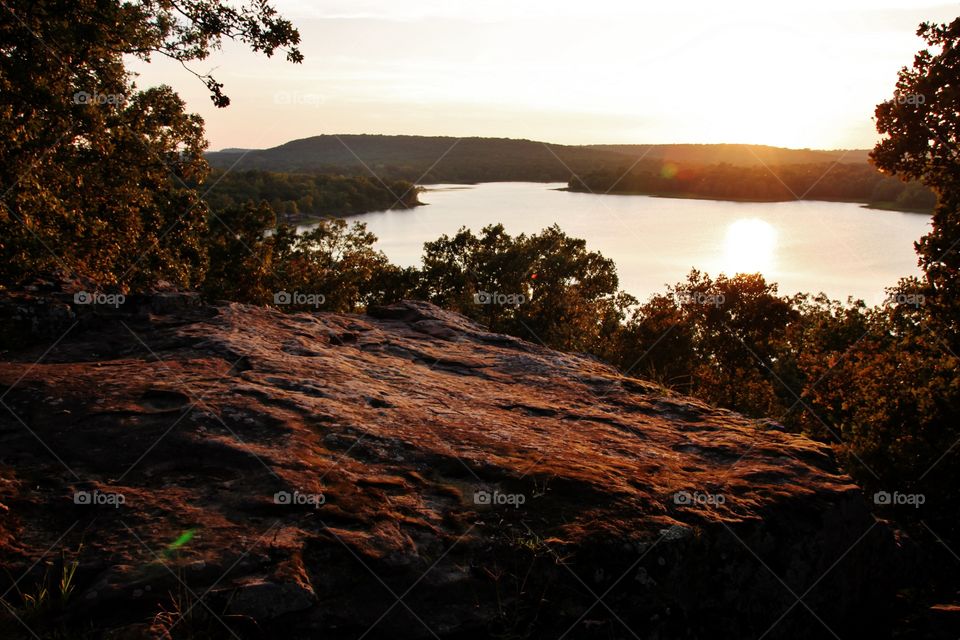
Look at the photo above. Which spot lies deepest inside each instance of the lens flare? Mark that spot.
(669, 170)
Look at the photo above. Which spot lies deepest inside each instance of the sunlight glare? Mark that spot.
(749, 247)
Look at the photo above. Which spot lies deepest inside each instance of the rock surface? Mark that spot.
(407, 474)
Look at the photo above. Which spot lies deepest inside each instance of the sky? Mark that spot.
(807, 75)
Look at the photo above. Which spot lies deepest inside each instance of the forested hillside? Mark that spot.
(295, 197)
(447, 159)
(858, 182)
(424, 159)
(722, 171)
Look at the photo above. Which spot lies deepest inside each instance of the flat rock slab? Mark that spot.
(410, 474)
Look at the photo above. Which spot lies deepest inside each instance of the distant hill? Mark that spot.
(446, 159)
(426, 159)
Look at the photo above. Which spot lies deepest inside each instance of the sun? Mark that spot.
(749, 246)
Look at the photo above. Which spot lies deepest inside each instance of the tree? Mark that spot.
(922, 128)
(334, 266)
(94, 171)
(895, 395)
(722, 339)
(574, 303)
(658, 343)
(241, 258)
(546, 287)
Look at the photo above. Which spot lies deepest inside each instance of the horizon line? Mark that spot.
(555, 144)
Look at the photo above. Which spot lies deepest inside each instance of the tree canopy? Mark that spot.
(921, 127)
(94, 170)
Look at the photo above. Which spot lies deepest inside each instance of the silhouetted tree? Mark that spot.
(545, 287)
(93, 171)
(922, 128)
(241, 255)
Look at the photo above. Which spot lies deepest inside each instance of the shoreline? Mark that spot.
(879, 206)
(426, 187)
(315, 218)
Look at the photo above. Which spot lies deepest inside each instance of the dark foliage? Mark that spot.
(296, 197)
(856, 182)
(93, 171)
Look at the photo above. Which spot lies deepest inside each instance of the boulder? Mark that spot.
(409, 474)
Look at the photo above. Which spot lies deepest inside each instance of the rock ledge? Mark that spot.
(306, 471)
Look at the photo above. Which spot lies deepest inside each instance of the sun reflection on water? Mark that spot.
(749, 247)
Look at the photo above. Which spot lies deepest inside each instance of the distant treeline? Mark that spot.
(424, 159)
(820, 181)
(296, 196)
(435, 159)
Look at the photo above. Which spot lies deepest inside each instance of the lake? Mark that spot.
(839, 248)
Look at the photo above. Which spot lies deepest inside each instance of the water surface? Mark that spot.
(841, 249)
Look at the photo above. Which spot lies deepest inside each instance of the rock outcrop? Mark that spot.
(237, 471)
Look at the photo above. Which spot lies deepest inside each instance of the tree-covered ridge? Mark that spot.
(856, 182)
(475, 159)
(721, 171)
(295, 196)
(423, 159)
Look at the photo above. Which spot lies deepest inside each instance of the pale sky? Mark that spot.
(632, 71)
